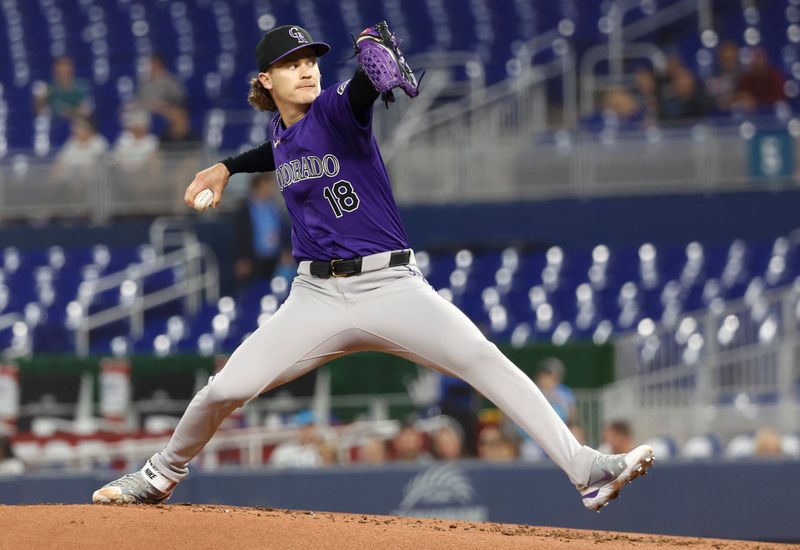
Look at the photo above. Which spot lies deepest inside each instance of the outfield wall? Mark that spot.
(734, 500)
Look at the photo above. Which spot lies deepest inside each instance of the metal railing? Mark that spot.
(196, 273)
(439, 84)
(726, 371)
(619, 33)
(249, 442)
(42, 188)
(591, 84)
(467, 157)
(454, 164)
(589, 415)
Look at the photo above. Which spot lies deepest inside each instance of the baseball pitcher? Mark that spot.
(358, 287)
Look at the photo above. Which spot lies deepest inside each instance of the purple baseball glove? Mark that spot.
(380, 57)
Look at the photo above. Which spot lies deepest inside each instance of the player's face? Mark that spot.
(295, 79)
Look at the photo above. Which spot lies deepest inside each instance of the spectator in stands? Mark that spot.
(179, 135)
(768, 443)
(161, 89)
(287, 267)
(493, 446)
(621, 108)
(304, 450)
(645, 92)
(10, 465)
(617, 437)
(679, 96)
(259, 231)
(549, 379)
(328, 452)
(65, 97)
(721, 86)
(409, 445)
(460, 401)
(182, 150)
(372, 451)
(136, 148)
(448, 443)
(78, 159)
(760, 86)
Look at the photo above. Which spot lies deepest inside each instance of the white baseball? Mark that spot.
(203, 200)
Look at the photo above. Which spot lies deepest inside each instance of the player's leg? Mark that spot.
(421, 324)
(417, 323)
(307, 331)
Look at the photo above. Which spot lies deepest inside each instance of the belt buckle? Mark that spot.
(333, 268)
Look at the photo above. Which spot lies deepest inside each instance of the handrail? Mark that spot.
(664, 392)
(415, 115)
(135, 271)
(492, 94)
(531, 76)
(249, 440)
(501, 89)
(203, 275)
(737, 306)
(443, 60)
(163, 233)
(596, 54)
(148, 301)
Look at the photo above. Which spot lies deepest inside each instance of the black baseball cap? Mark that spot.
(281, 41)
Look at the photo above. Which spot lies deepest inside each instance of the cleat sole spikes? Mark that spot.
(598, 497)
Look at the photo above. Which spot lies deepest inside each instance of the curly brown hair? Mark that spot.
(259, 97)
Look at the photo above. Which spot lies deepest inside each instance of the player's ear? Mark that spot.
(266, 80)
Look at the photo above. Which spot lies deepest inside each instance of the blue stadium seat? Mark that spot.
(555, 297)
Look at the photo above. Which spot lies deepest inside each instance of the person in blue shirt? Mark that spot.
(260, 232)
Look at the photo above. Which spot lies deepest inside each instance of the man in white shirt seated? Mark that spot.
(302, 452)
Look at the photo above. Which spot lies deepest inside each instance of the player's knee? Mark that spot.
(480, 355)
(227, 395)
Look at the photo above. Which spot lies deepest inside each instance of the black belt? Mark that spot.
(352, 266)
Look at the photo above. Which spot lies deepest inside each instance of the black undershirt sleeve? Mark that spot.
(362, 94)
(257, 159)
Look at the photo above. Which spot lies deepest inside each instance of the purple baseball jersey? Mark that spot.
(332, 177)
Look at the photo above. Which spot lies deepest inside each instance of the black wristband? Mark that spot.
(229, 164)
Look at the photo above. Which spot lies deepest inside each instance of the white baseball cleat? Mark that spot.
(610, 473)
(147, 486)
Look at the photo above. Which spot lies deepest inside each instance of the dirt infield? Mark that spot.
(200, 526)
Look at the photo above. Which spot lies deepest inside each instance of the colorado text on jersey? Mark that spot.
(306, 168)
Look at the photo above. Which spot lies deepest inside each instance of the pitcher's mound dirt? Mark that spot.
(201, 526)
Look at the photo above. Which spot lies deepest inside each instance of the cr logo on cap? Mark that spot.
(295, 33)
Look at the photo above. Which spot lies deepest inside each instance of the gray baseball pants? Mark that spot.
(388, 309)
